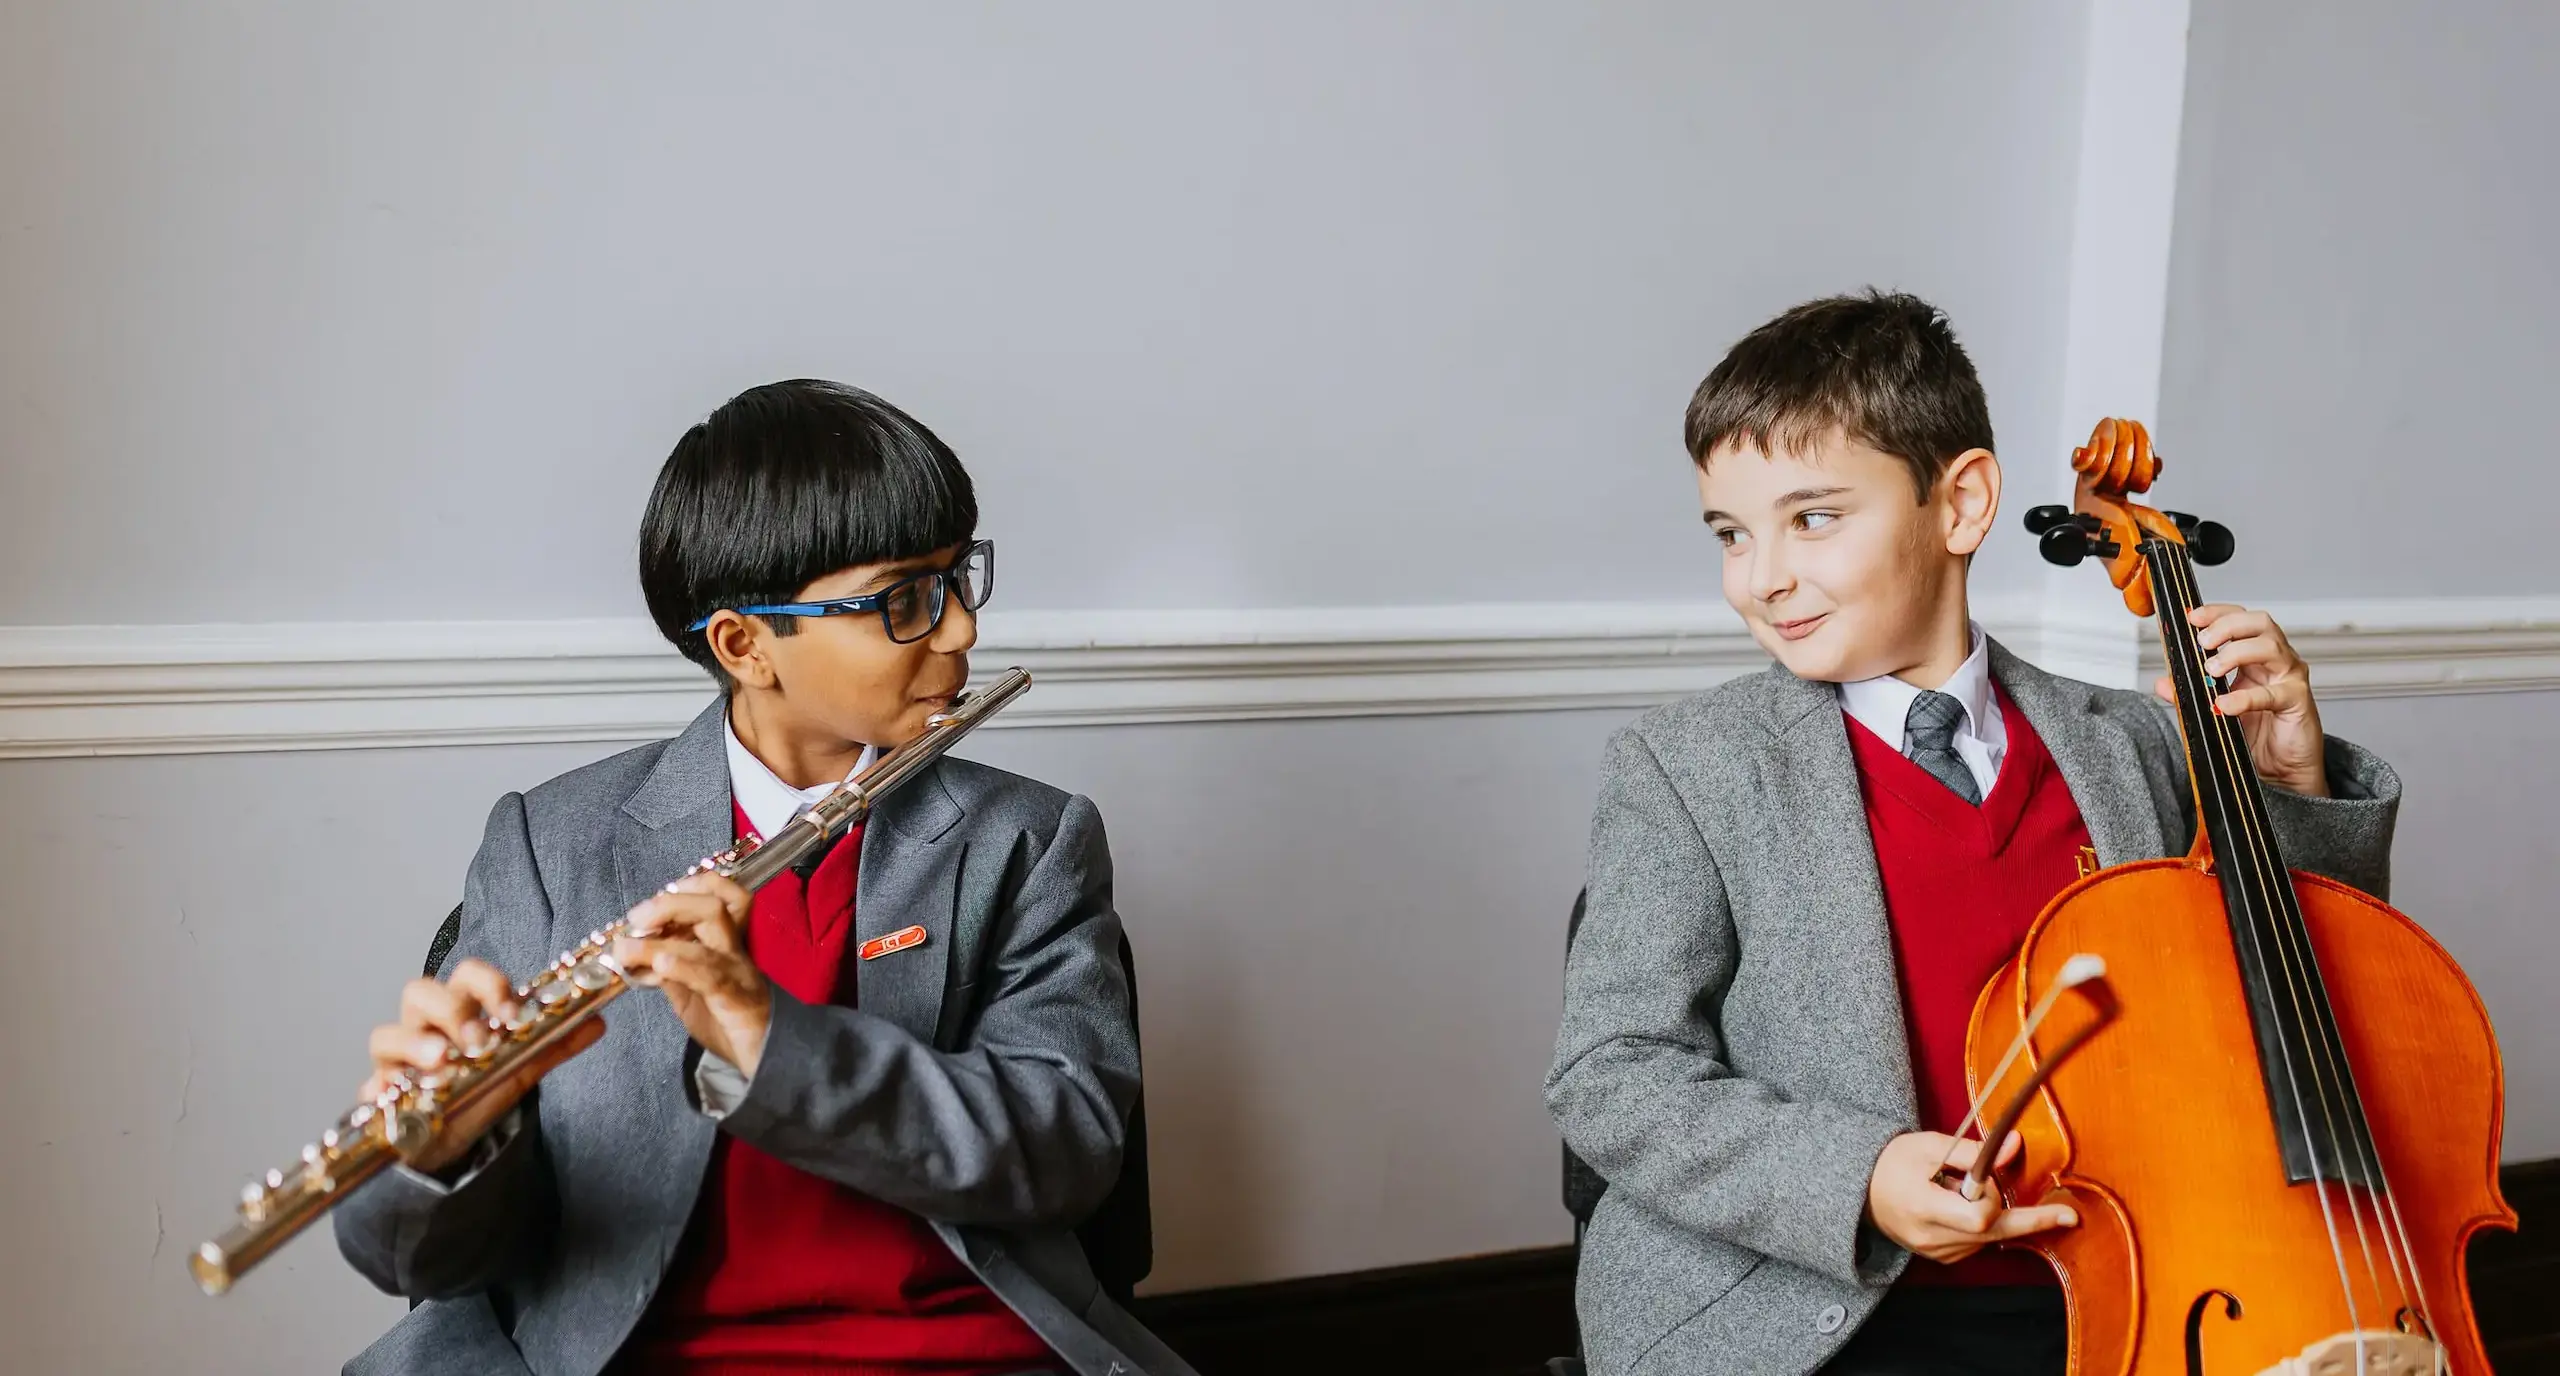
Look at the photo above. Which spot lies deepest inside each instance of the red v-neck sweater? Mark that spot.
(784, 1271)
(1961, 886)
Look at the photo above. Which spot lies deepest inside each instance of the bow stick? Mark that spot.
(2084, 972)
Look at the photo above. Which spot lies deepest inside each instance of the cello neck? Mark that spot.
(2231, 806)
(2311, 1094)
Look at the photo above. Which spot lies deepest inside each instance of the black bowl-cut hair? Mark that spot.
(783, 485)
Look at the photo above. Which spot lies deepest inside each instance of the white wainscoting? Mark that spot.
(147, 690)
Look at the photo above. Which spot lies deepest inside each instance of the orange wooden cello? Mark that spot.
(2274, 1101)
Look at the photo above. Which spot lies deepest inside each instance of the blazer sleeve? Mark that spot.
(1022, 1125)
(1641, 1084)
(412, 1234)
(2345, 836)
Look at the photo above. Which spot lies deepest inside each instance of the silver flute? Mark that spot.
(406, 1119)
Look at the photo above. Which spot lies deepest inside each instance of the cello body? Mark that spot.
(2273, 1100)
(2193, 1255)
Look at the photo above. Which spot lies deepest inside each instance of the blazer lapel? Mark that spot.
(2097, 758)
(910, 877)
(679, 815)
(1833, 885)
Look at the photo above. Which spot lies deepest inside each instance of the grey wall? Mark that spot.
(2364, 320)
(2474, 864)
(1225, 305)
(316, 312)
(2364, 313)
(1348, 935)
(310, 313)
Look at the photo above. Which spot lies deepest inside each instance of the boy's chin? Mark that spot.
(1810, 658)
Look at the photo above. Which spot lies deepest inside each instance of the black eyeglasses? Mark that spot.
(910, 608)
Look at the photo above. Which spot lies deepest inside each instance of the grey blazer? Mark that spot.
(1733, 1055)
(983, 1083)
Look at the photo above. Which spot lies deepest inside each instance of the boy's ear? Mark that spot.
(739, 644)
(1970, 489)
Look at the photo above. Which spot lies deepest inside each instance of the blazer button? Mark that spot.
(1832, 1317)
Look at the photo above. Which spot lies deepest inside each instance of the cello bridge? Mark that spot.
(2383, 1354)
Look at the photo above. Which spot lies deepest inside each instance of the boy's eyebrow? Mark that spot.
(904, 568)
(895, 573)
(1801, 494)
(1810, 494)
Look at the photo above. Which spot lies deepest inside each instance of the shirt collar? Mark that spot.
(761, 794)
(1883, 704)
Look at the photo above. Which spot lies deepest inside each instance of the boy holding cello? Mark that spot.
(1801, 880)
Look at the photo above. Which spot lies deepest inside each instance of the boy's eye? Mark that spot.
(904, 605)
(1816, 520)
(1727, 535)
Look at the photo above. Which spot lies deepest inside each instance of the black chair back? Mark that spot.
(1582, 1185)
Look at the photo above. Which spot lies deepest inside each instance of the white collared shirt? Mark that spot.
(770, 804)
(1883, 705)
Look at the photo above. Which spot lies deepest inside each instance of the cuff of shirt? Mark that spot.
(718, 1086)
(477, 1159)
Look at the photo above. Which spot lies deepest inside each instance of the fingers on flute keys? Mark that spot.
(436, 1016)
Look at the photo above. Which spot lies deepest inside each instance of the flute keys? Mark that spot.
(591, 976)
(553, 994)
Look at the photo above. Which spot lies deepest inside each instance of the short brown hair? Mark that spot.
(1883, 366)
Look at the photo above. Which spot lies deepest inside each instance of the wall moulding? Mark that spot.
(68, 691)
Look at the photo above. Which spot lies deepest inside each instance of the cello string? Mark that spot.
(2233, 793)
(2175, 598)
(2416, 1285)
(2328, 1048)
(2293, 934)
(2328, 1044)
(2211, 736)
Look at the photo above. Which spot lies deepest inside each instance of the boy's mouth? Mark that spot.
(1799, 628)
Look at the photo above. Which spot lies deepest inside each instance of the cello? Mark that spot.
(2274, 1101)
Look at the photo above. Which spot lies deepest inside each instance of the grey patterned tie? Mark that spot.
(1929, 739)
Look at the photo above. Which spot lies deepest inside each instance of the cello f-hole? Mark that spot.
(2195, 1325)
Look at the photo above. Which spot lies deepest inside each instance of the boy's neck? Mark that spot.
(801, 758)
(1948, 646)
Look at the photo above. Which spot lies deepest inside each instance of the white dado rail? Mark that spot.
(150, 690)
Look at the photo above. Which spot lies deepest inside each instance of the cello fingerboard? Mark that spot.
(2312, 1103)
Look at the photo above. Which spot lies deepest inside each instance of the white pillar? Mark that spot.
(2133, 95)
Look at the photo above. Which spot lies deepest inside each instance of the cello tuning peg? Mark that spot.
(2043, 518)
(2186, 521)
(2065, 544)
(2210, 542)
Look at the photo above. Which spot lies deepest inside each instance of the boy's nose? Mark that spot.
(1770, 577)
(958, 633)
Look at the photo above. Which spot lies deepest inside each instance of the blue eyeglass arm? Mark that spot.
(868, 602)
